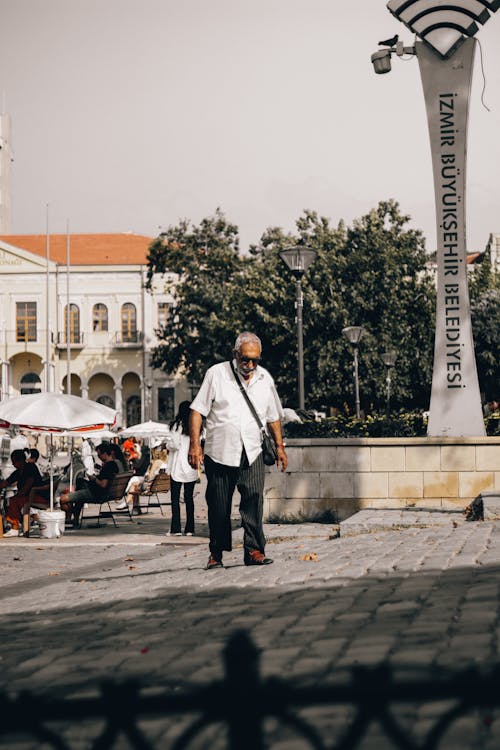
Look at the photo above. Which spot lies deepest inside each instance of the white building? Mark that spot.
(112, 322)
(494, 247)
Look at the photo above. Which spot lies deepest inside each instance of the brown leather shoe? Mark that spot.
(255, 557)
(214, 562)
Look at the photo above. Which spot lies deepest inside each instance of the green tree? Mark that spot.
(387, 290)
(485, 327)
(201, 329)
(274, 313)
(480, 278)
(484, 290)
(372, 274)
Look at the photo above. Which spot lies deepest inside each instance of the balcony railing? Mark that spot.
(20, 341)
(75, 340)
(128, 339)
(34, 338)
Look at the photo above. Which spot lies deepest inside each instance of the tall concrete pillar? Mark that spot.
(455, 408)
(119, 404)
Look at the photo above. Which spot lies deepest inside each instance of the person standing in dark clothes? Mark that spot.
(182, 475)
(232, 454)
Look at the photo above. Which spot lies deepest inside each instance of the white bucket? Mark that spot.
(51, 523)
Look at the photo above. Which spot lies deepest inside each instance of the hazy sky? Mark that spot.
(128, 115)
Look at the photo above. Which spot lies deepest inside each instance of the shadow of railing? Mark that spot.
(243, 701)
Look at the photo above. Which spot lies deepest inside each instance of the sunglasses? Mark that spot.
(247, 360)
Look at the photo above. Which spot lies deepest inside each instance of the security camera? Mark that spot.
(381, 61)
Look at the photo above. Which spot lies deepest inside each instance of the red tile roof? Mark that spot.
(474, 258)
(86, 249)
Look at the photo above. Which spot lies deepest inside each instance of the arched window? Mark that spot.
(99, 317)
(31, 383)
(73, 324)
(106, 400)
(129, 322)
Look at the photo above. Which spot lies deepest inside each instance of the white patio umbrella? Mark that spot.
(148, 429)
(105, 435)
(54, 413)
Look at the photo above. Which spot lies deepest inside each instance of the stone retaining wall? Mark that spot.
(348, 474)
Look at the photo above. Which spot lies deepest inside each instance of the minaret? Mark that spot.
(5, 173)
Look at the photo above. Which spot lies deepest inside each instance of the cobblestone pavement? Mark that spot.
(413, 589)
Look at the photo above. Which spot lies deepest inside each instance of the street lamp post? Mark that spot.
(298, 259)
(389, 360)
(149, 400)
(353, 335)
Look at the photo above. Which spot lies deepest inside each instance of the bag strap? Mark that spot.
(247, 398)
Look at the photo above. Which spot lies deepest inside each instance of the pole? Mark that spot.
(356, 382)
(47, 305)
(5, 365)
(145, 407)
(51, 470)
(388, 381)
(455, 407)
(68, 314)
(297, 260)
(300, 347)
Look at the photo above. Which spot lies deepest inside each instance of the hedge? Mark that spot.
(402, 424)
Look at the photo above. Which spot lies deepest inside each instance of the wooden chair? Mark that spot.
(159, 485)
(116, 492)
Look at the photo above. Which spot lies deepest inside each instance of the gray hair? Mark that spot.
(246, 338)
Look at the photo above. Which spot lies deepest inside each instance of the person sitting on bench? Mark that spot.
(140, 467)
(96, 488)
(26, 475)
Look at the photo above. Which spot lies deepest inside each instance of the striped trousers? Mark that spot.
(221, 483)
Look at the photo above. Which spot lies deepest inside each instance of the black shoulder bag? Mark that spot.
(269, 453)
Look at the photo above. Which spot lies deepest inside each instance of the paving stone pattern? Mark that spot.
(415, 593)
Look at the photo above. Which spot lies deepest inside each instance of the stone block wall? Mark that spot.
(347, 475)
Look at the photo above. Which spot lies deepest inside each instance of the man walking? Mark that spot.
(233, 454)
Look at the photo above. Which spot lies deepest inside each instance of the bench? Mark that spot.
(116, 492)
(160, 484)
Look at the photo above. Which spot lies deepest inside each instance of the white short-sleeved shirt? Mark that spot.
(230, 425)
(177, 464)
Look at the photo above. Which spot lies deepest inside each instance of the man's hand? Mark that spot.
(275, 430)
(195, 453)
(195, 456)
(282, 457)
